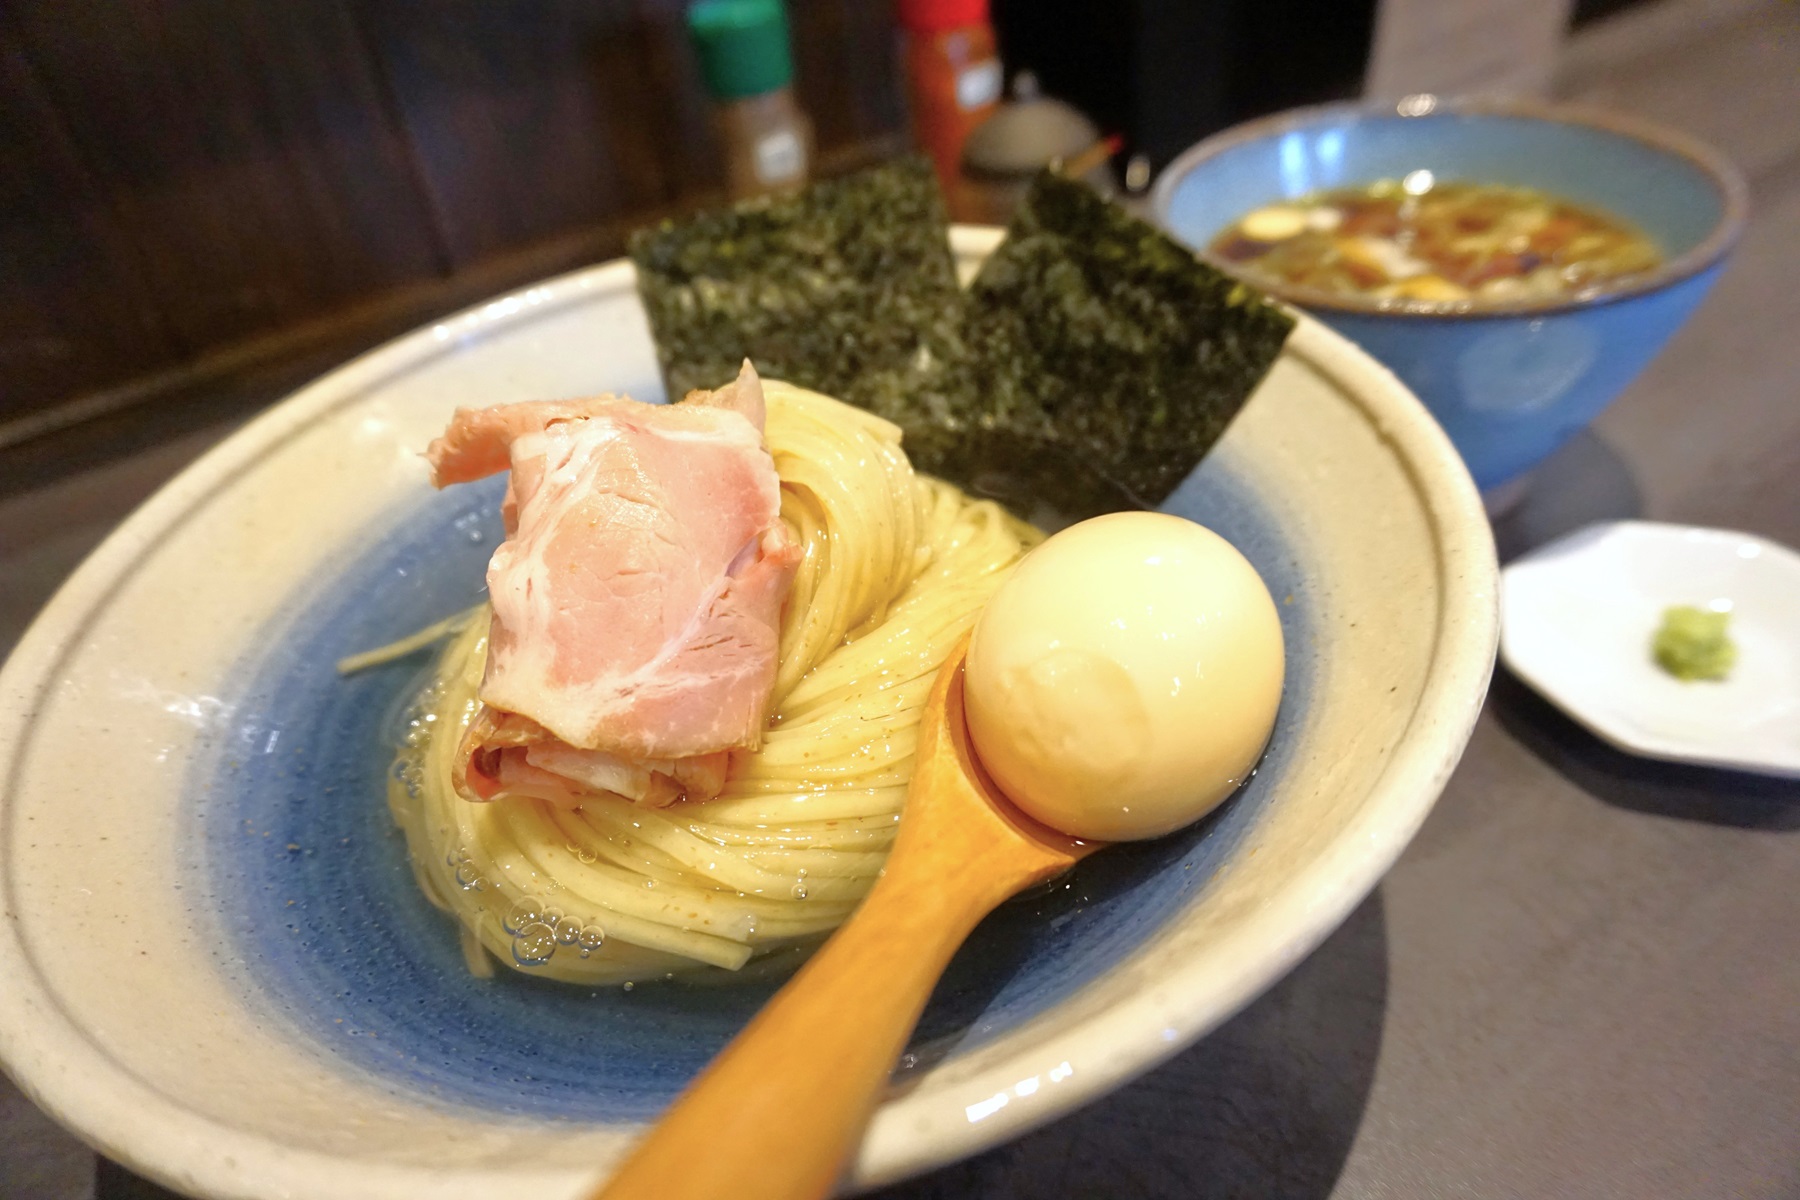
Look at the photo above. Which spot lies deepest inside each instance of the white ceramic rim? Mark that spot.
(123, 1116)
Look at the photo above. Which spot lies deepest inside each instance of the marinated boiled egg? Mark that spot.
(1125, 679)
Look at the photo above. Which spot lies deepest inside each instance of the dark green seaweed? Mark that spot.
(1089, 368)
(1093, 331)
(847, 287)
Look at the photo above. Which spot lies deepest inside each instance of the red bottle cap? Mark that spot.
(941, 16)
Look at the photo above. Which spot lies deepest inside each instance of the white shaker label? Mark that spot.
(779, 158)
(978, 84)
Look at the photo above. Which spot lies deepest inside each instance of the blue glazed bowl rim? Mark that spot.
(1734, 202)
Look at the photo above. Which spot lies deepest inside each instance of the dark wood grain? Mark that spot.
(846, 68)
(216, 181)
(526, 120)
(870, 55)
(532, 120)
(74, 310)
(237, 369)
(246, 148)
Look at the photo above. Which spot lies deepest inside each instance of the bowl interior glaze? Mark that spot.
(217, 968)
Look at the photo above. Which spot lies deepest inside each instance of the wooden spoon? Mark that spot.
(777, 1113)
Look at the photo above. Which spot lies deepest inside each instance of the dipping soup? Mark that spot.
(1420, 240)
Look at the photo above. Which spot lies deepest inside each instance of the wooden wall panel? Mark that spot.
(531, 119)
(847, 69)
(247, 149)
(74, 311)
(186, 183)
(684, 145)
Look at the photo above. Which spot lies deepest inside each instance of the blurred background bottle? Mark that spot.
(953, 77)
(749, 70)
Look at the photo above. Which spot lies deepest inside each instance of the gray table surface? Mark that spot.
(1583, 977)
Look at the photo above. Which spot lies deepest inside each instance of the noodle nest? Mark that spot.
(896, 567)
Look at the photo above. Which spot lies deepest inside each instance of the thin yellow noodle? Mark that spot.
(792, 810)
(895, 568)
(854, 833)
(406, 645)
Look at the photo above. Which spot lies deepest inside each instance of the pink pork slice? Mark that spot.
(637, 597)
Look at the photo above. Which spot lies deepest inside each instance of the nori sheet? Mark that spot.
(1090, 367)
(847, 288)
(1096, 332)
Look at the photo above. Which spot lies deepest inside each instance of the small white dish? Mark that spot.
(1578, 615)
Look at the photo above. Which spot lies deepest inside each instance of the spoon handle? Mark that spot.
(778, 1112)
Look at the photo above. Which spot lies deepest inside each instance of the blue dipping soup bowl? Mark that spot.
(1509, 382)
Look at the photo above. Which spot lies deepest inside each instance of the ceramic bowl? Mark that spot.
(1579, 615)
(215, 966)
(1508, 383)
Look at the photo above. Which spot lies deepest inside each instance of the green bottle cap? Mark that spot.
(743, 46)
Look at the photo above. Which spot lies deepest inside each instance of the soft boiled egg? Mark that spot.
(1125, 679)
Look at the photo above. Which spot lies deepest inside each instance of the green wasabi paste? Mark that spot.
(1692, 644)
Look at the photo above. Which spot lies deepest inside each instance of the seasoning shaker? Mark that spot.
(749, 71)
(953, 76)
